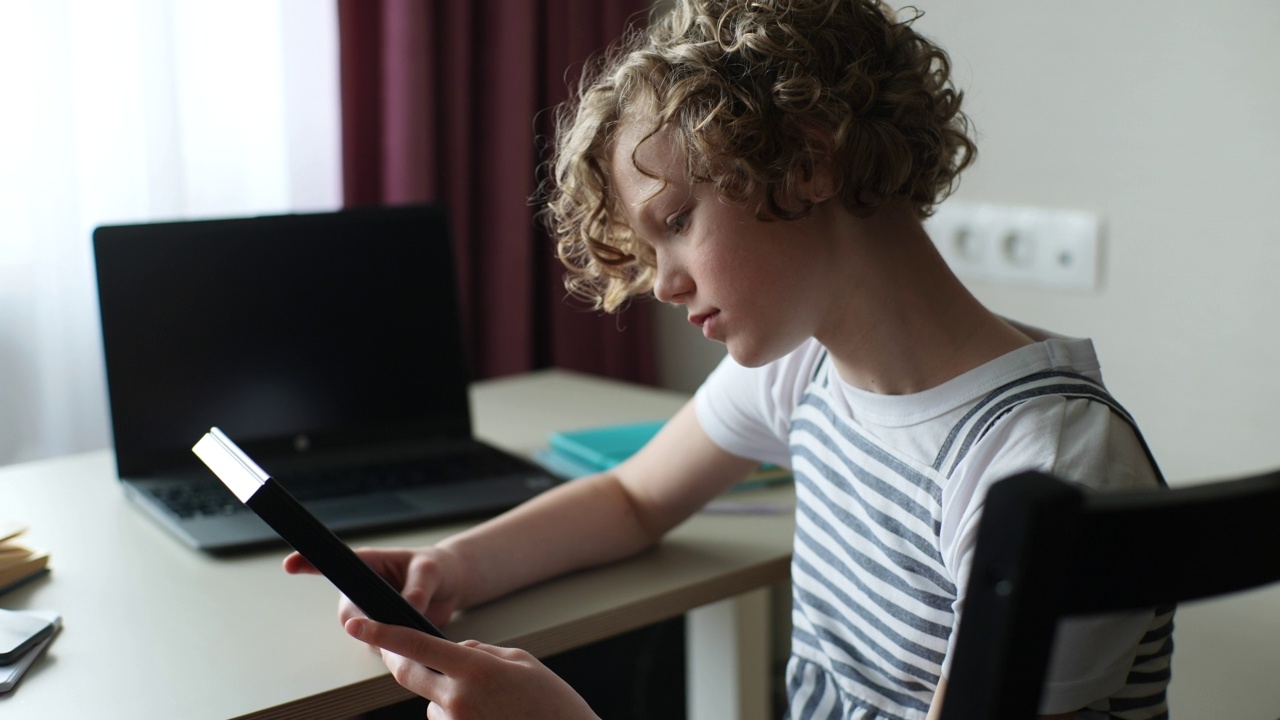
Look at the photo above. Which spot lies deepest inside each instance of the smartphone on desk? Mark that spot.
(368, 590)
(19, 632)
(13, 667)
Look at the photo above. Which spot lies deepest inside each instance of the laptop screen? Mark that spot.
(300, 335)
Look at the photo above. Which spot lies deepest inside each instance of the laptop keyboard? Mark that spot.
(209, 499)
(193, 500)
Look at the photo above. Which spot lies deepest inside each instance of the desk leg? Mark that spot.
(727, 659)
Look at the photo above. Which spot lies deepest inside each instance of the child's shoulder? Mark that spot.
(1060, 423)
(1042, 407)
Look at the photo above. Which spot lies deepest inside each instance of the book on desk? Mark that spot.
(19, 562)
(586, 451)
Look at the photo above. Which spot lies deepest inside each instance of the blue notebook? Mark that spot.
(576, 453)
(600, 448)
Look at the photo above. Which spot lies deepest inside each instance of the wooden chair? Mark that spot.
(1048, 549)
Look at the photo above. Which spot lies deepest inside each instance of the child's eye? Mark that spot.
(678, 222)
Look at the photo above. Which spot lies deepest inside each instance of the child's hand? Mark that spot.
(471, 680)
(427, 577)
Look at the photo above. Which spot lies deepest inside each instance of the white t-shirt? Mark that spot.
(750, 413)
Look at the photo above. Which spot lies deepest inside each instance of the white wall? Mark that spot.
(1164, 117)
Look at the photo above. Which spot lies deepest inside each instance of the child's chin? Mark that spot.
(751, 356)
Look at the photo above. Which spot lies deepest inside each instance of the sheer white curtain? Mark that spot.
(131, 110)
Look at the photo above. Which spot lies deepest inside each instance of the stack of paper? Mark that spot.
(19, 563)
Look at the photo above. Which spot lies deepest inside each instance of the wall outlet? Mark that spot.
(1024, 246)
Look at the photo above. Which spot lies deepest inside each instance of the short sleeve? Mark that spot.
(747, 411)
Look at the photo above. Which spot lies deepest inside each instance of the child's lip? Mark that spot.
(701, 318)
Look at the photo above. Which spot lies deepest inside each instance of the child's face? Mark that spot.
(750, 284)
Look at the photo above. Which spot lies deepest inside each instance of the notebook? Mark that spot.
(328, 344)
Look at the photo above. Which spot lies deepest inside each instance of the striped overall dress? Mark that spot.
(872, 599)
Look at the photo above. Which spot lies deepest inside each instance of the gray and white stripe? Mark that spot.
(872, 599)
(872, 605)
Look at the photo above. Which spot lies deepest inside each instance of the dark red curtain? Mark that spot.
(449, 100)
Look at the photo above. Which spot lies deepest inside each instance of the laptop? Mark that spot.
(327, 345)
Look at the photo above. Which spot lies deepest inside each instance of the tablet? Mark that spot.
(297, 526)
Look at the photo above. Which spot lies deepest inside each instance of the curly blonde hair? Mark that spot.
(758, 96)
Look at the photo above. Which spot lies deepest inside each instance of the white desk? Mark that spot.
(156, 630)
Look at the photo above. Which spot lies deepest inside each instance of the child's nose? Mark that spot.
(671, 283)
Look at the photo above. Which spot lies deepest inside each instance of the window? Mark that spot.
(133, 110)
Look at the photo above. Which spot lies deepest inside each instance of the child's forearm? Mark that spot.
(597, 519)
(582, 523)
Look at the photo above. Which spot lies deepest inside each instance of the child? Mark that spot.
(767, 164)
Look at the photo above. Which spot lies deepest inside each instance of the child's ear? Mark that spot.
(822, 180)
(820, 186)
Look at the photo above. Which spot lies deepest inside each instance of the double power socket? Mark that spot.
(1022, 246)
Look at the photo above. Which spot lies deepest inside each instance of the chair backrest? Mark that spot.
(1048, 549)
